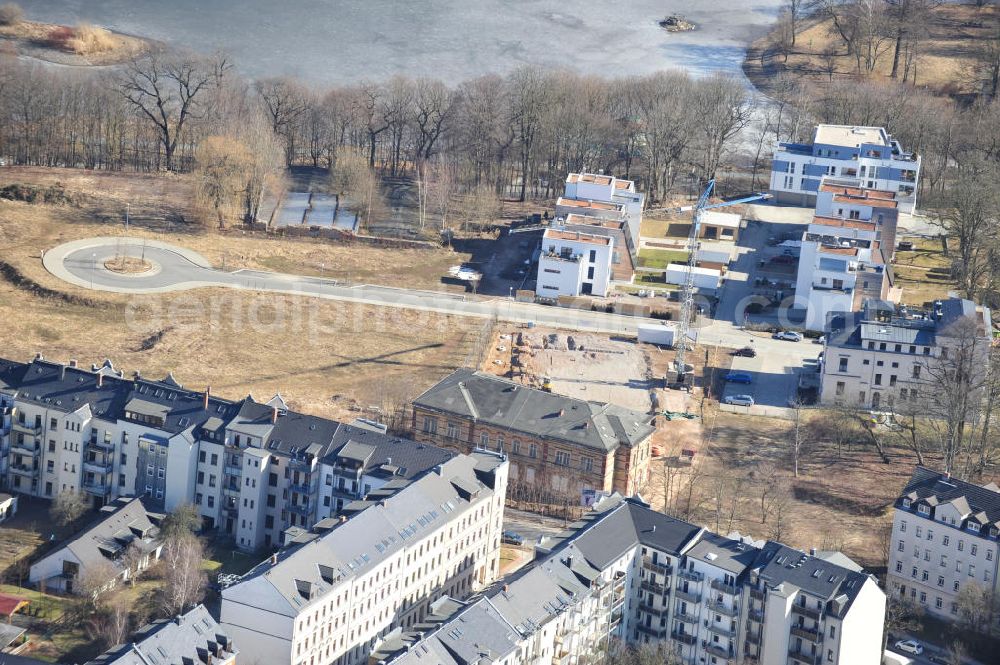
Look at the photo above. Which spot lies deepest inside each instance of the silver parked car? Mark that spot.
(739, 400)
(788, 336)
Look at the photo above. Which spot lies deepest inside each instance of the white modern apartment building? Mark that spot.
(887, 356)
(331, 599)
(945, 535)
(573, 263)
(868, 155)
(630, 574)
(606, 189)
(845, 250)
(252, 469)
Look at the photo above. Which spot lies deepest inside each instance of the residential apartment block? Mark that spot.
(332, 598)
(887, 356)
(601, 206)
(634, 575)
(252, 469)
(122, 524)
(557, 444)
(604, 189)
(867, 155)
(574, 263)
(193, 638)
(945, 535)
(845, 251)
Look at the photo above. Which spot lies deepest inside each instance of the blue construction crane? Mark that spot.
(687, 289)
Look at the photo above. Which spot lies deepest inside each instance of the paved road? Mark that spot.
(531, 526)
(176, 269)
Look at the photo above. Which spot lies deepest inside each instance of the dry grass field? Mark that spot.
(948, 51)
(83, 44)
(325, 357)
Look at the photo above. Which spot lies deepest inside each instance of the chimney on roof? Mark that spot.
(947, 475)
(812, 551)
(562, 412)
(178, 619)
(39, 356)
(274, 559)
(343, 519)
(506, 588)
(274, 414)
(72, 362)
(100, 380)
(136, 375)
(62, 372)
(652, 529)
(208, 393)
(569, 561)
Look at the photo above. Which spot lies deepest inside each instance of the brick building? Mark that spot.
(556, 444)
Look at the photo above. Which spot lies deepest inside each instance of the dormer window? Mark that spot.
(924, 509)
(906, 503)
(973, 527)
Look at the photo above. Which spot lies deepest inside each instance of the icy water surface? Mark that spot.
(337, 41)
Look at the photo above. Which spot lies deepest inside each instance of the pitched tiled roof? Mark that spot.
(288, 433)
(935, 488)
(503, 403)
(189, 639)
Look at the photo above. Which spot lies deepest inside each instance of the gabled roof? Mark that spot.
(287, 433)
(122, 523)
(504, 403)
(978, 502)
(824, 578)
(188, 639)
(356, 546)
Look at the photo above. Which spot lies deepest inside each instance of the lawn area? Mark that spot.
(660, 258)
(923, 272)
(327, 358)
(654, 228)
(41, 604)
(223, 559)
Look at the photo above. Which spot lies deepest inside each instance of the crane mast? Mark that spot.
(682, 337)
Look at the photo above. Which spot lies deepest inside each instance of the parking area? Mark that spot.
(762, 273)
(774, 372)
(507, 263)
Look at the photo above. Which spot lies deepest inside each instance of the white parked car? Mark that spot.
(910, 646)
(739, 400)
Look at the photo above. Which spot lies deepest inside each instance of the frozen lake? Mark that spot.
(337, 41)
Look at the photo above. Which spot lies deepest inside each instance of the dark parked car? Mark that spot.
(746, 352)
(739, 377)
(513, 538)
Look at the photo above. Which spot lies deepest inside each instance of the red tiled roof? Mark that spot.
(10, 604)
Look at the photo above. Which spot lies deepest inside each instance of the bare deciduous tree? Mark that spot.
(167, 90)
(182, 568)
(68, 506)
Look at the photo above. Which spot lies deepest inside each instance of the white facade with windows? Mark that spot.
(574, 263)
(887, 357)
(945, 535)
(633, 575)
(867, 155)
(329, 600)
(844, 252)
(251, 469)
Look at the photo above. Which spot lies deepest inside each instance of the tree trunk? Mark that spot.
(895, 53)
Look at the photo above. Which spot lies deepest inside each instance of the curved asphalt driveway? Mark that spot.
(81, 262)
